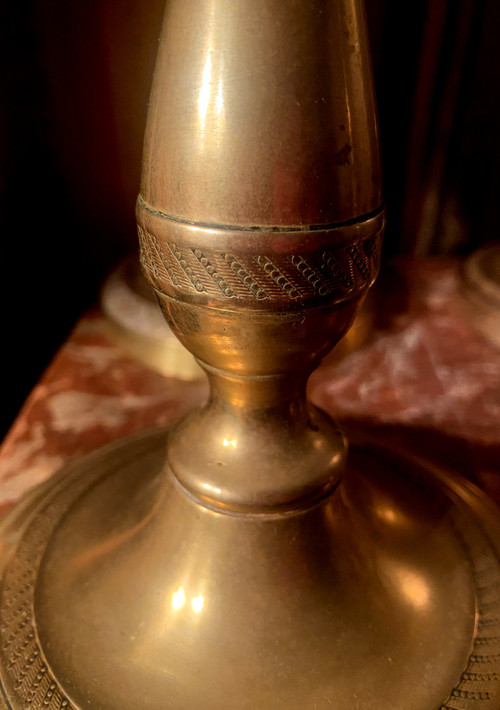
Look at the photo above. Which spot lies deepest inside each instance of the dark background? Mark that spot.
(74, 90)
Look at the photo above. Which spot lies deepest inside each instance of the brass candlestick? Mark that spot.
(256, 565)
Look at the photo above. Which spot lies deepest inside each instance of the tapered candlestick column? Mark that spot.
(260, 223)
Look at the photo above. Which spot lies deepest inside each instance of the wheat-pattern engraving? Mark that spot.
(29, 675)
(245, 277)
(334, 274)
(479, 686)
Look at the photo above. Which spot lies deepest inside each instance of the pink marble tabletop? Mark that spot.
(425, 380)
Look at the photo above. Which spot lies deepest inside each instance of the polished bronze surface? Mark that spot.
(246, 558)
(260, 264)
(262, 113)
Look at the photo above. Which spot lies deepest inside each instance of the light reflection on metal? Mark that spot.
(178, 599)
(211, 489)
(414, 588)
(198, 603)
(391, 516)
(206, 87)
(388, 515)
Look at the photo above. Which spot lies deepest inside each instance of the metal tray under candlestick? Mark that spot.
(247, 557)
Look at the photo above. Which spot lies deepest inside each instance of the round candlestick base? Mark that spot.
(121, 590)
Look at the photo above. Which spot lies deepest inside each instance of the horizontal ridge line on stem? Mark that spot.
(264, 228)
(300, 505)
(240, 376)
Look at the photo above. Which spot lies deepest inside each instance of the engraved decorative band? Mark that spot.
(259, 280)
